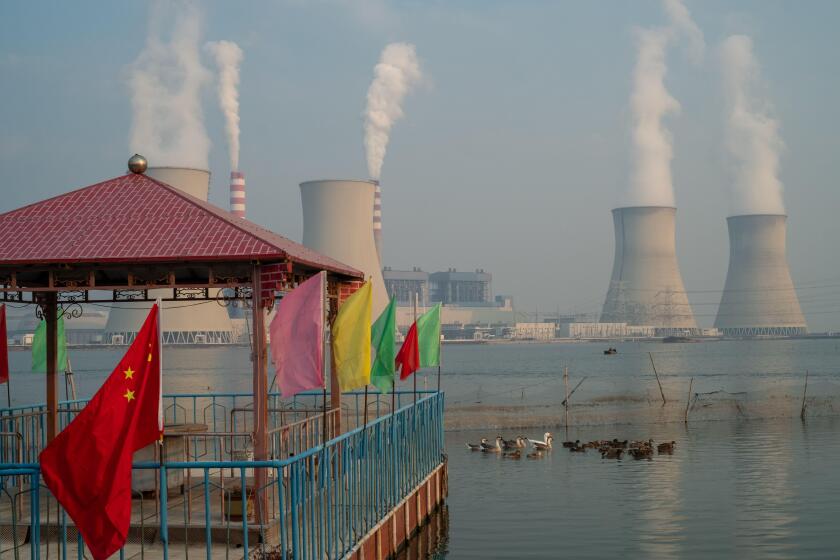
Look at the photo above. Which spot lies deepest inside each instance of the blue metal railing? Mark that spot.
(316, 504)
(228, 416)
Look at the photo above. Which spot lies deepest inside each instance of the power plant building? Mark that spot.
(403, 284)
(461, 288)
(646, 287)
(759, 298)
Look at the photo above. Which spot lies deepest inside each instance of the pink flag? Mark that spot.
(297, 338)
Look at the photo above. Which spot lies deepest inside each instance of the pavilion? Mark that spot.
(116, 240)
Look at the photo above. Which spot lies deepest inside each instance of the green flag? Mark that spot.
(428, 332)
(384, 340)
(39, 347)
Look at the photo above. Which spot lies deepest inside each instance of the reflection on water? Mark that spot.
(745, 489)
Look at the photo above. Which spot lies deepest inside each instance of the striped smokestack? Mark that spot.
(237, 194)
(377, 219)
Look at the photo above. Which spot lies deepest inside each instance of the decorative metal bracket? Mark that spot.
(131, 295)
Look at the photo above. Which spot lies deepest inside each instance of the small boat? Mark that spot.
(610, 351)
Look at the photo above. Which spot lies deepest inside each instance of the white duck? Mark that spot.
(545, 444)
(477, 446)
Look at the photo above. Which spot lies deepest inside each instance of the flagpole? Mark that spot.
(366, 407)
(415, 373)
(440, 350)
(324, 304)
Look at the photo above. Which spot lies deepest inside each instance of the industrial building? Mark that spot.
(759, 298)
(461, 288)
(404, 284)
(604, 330)
(534, 331)
(646, 287)
(207, 323)
(337, 222)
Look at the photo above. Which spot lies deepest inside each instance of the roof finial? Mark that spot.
(137, 164)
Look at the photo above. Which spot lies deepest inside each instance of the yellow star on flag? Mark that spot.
(149, 359)
(129, 395)
(129, 373)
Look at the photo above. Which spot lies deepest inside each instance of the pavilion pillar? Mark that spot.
(260, 395)
(50, 310)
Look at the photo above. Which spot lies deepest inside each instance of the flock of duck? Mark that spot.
(609, 449)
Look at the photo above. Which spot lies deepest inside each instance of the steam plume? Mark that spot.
(166, 81)
(752, 134)
(395, 74)
(651, 103)
(228, 56)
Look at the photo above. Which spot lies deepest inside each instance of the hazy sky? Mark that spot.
(510, 155)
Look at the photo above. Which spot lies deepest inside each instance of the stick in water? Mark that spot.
(661, 392)
(804, 394)
(688, 400)
(566, 400)
(573, 391)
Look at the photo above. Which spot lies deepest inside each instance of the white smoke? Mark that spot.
(166, 81)
(651, 102)
(393, 77)
(228, 56)
(752, 134)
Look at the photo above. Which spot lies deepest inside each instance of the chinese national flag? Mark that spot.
(408, 358)
(88, 465)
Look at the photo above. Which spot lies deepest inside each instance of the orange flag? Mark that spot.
(88, 465)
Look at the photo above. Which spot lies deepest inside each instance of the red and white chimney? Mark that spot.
(377, 219)
(237, 194)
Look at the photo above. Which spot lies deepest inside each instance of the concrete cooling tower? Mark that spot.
(207, 323)
(337, 218)
(646, 287)
(759, 297)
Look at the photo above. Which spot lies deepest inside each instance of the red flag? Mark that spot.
(88, 465)
(408, 358)
(4, 348)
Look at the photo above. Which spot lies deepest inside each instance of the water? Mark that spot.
(745, 489)
(755, 483)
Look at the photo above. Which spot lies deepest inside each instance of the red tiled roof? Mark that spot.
(135, 219)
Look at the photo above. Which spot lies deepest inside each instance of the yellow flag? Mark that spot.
(351, 340)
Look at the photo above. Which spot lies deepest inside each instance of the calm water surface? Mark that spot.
(746, 489)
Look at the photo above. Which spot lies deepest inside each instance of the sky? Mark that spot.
(513, 148)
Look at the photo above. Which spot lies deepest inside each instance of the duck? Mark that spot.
(517, 443)
(512, 454)
(493, 448)
(642, 453)
(578, 449)
(641, 444)
(612, 453)
(571, 443)
(545, 444)
(477, 446)
(536, 454)
(666, 447)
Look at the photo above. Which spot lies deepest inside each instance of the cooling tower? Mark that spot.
(759, 297)
(206, 323)
(237, 193)
(377, 219)
(337, 218)
(646, 287)
(192, 181)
